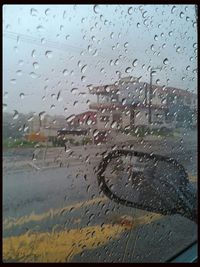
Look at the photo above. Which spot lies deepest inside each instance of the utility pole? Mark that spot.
(150, 96)
(152, 70)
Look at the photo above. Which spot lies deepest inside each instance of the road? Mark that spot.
(53, 210)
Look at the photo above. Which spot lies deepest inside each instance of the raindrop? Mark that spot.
(83, 78)
(48, 54)
(75, 103)
(144, 14)
(138, 25)
(33, 75)
(114, 124)
(135, 62)
(20, 62)
(30, 118)
(126, 45)
(170, 33)
(33, 12)
(70, 118)
(123, 101)
(156, 37)
(166, 61)
(21, 95)
(52, 107)
(181, 15)
(41, 115)
(88, 121)
(47, 11)
(43, 41)
(96, 9)
(64, 14)
(116, 62)
(35, 65)
(13, 80)
(33, 53)
(83, 69)
(15, 115)
(74, 90)
(130, 11)
(195, 45)
(65, 72)
(40, 28)
(67, 37)
(178, 49)
(19, 72)
(173, 9)
(128, 70)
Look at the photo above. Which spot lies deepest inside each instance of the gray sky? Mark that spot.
(49, 49)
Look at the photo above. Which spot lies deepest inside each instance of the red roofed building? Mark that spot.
(85, 119)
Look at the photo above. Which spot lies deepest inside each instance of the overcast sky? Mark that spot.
(50, 49)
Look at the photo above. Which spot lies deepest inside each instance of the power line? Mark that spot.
(55, 45)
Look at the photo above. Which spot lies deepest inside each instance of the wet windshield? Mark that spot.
(80, 81)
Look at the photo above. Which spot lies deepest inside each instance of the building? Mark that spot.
(85, 120)
(127, 103)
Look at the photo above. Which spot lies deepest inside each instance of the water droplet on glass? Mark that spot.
(40, 28)
(52, 107)
(20, 62)
(33, 75)
(47, 11)
(138, 25)
(48, 54)
(33, 12)
(83, 69)
(33, 53)
(74, 90)
(13, 80)
(15, 115)
(165, 61)
(128, 70)
(173, 9)
(156, 37)
(135, 62)
(70, 118)
(96, 9)
(43, 41)
(83, 78)
(65, 72)
(19, 72)
(181, 15)
(35, 65)
(123, 101)
(130, 11)
(42, 115)
(126, 45)
(114, 124)
(21, 95)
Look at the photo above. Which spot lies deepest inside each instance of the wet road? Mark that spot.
(61, 209)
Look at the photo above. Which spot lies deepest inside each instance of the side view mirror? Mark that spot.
(149, 182)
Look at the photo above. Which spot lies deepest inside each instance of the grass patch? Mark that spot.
(19, 143)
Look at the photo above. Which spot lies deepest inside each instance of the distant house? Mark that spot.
(126, 102)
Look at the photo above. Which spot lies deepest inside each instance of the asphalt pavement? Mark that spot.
(53, 210)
